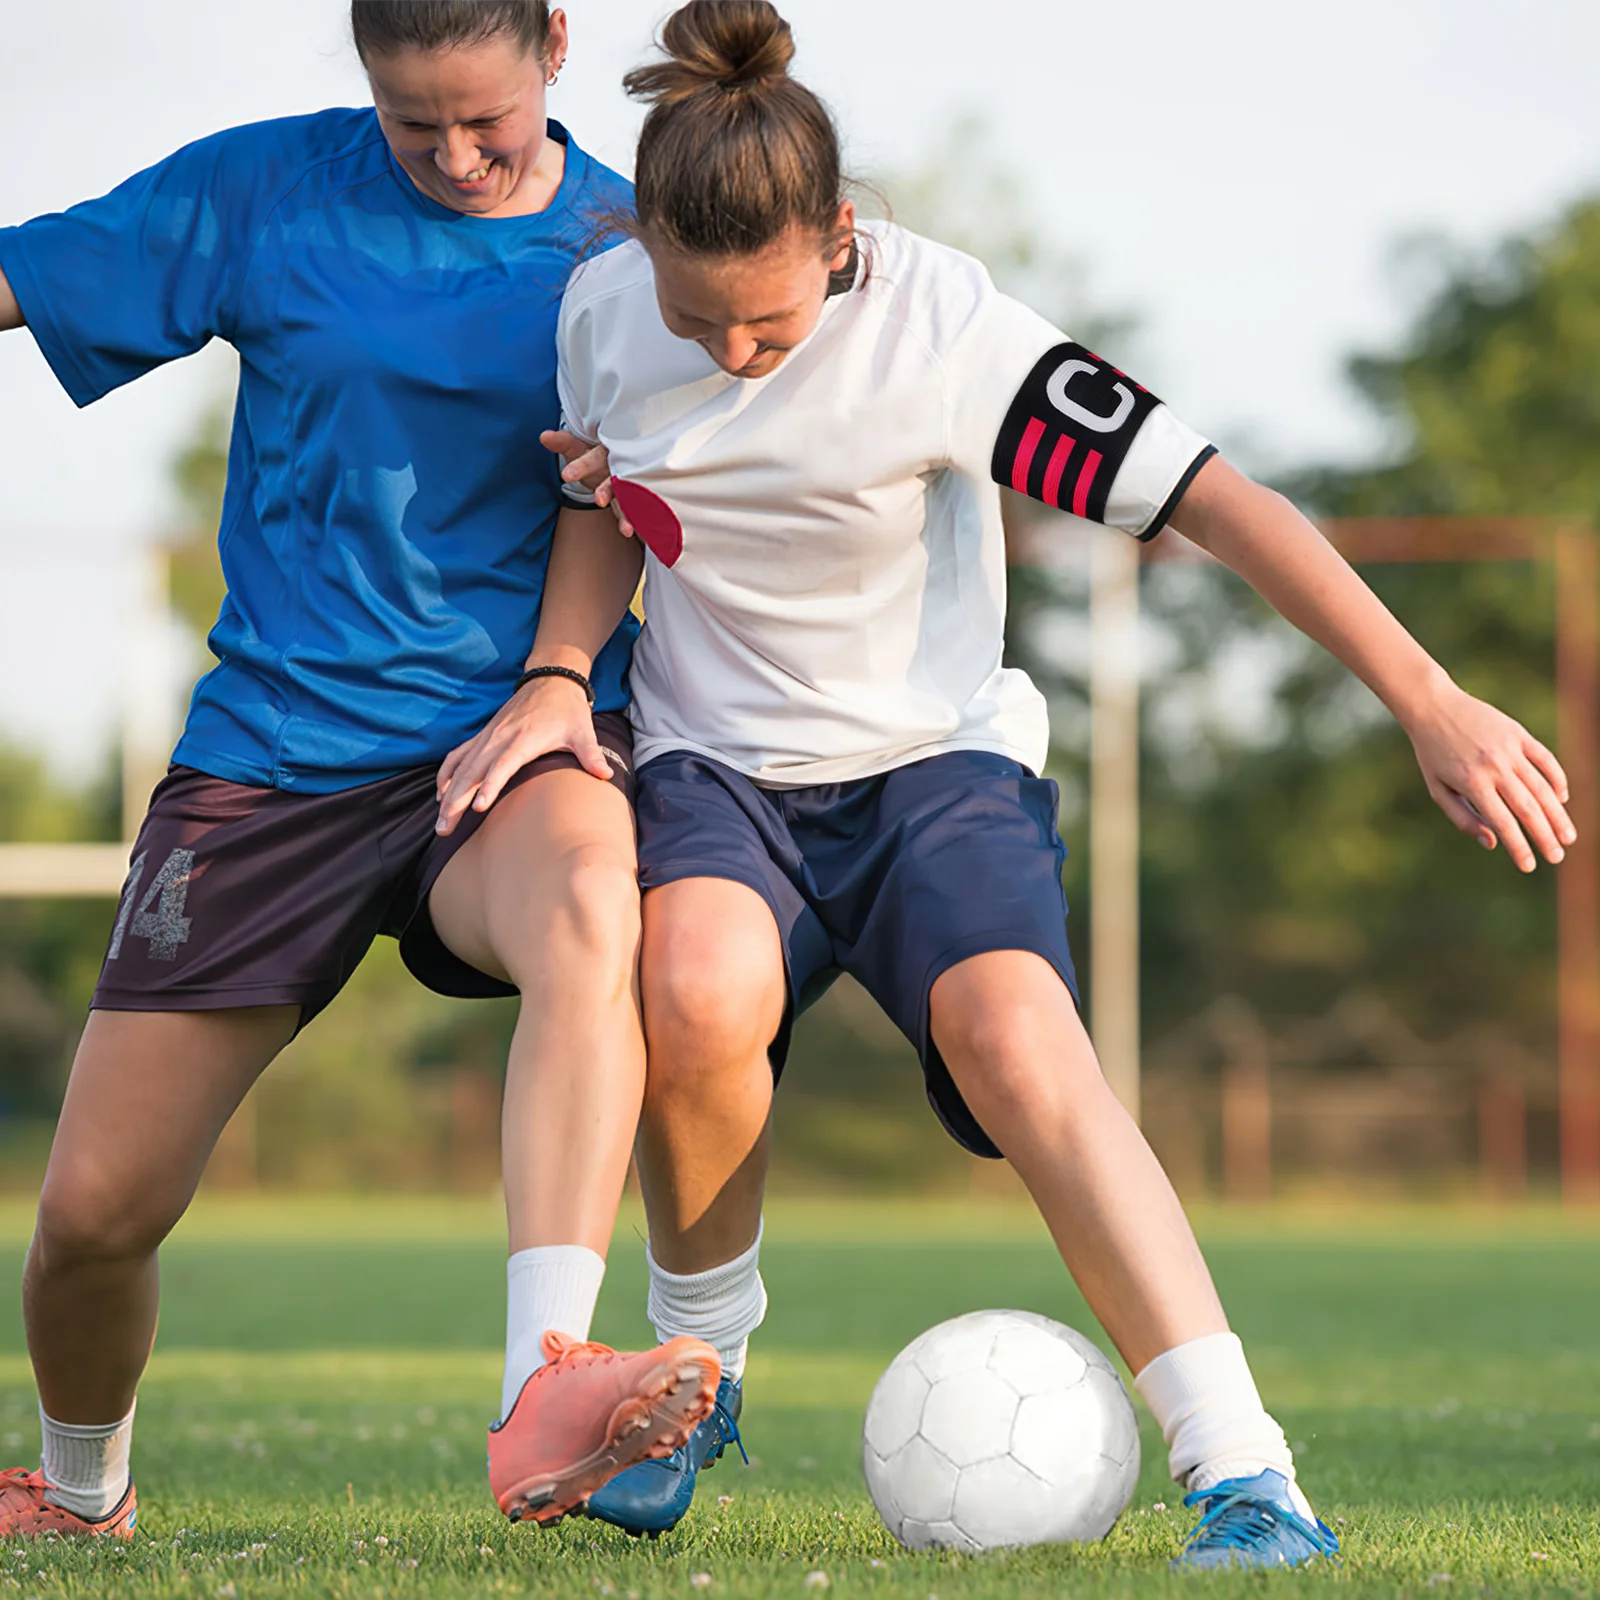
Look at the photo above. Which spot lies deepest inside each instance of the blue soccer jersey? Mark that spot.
(389, 508)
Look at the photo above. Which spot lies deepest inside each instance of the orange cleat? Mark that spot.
(26, 1514)
(591, 1414)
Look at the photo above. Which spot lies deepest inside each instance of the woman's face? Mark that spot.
(748, 312)
(468, 123)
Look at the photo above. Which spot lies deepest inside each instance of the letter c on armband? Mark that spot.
(1094, 421)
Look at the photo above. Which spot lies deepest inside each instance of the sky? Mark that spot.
(1236, 176)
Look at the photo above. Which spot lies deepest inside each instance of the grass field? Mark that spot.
(313, 1422)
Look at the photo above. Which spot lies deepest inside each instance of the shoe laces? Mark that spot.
(1240, 1519)
(558, 1349)
(728, 1427)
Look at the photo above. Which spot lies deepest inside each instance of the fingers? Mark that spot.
(592, 757)
(457, 795)
(500, 773)
(475, 775)
(1545, 797)
(1550, 769)
(1463, 815)
(566, 445)
(592, 468)
(1492, 807)
(1539, 826)
(622, 519)
(453, 807)
(449, 767)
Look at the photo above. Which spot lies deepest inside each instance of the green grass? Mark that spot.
(313, 1422)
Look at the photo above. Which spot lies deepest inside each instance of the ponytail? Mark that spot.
(735, 151)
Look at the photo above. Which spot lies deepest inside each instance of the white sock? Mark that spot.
(86, 1467)
(1211, 1416)
(723, 1306)
(552, 1288)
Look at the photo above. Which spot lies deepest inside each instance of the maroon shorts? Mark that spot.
(239, 896)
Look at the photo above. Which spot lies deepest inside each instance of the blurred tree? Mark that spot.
(1295, 855)
(1493, 400)
(200, 475)
(1306, 856)
(966, 194)
(49, 950)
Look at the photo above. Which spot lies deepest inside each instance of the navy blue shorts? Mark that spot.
(893, 879)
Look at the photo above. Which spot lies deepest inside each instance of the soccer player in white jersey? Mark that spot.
(807, 422)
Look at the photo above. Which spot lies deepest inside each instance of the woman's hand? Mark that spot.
(1492, 778)
(588, 466)
(548, 714)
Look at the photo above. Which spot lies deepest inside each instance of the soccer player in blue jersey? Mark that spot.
(391, 279)
(807, 421)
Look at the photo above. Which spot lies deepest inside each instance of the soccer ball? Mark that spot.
(1000, 1428)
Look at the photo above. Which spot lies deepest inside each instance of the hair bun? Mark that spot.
(727, 45)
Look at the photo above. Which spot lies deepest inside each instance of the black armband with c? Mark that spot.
(1069, 431)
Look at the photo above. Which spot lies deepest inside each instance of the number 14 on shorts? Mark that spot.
(165, 927)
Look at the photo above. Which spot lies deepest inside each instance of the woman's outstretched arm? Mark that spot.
(10, 312)
(1491, 777)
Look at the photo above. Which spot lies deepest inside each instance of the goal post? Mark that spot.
(97, 871)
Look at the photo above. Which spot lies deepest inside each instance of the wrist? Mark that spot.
(560, 676)
(1420, 696)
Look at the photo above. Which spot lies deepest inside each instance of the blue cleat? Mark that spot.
(653, 1497)
(1250, 1524)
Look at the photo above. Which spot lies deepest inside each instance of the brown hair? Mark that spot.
(735, 151)
(386, 27)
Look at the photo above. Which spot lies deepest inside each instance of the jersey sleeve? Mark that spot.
(575, 381)
(1040, 414)
(150, 272)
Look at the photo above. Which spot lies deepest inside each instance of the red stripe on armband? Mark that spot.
(1023, 466)
(1091, 470)
(1054, 473)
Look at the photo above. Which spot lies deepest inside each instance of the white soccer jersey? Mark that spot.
(826, 578)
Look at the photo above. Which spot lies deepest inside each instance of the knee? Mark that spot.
(87, 1220)
(1014, 1069)
(706, 1014)
(583, 928)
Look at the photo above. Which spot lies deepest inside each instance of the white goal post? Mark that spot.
(96, 871)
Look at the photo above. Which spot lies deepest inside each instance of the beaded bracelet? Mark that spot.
(533, 674)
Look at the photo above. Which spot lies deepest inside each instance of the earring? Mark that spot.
(555, 76)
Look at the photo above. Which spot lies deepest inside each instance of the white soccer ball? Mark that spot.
(997, 1429)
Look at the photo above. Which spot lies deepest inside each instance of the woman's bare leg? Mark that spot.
(148, 1098)
(714, 994)
(545, 895)
(1011, 1036)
